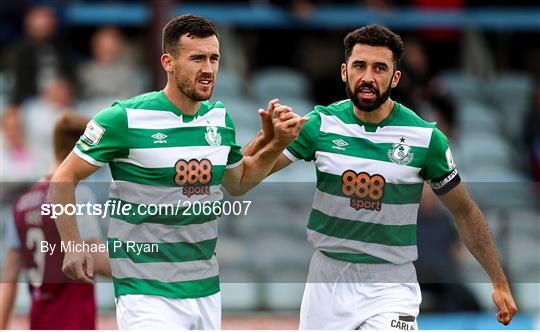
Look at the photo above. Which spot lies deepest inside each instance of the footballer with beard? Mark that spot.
(372, 156)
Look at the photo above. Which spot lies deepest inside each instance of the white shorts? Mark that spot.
(349, 296)
(158, 312)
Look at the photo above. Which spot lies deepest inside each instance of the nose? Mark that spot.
(207, 67)
(368, 76)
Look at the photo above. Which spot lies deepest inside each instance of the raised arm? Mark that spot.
(476, 235)
(286, 125)
(266, 134)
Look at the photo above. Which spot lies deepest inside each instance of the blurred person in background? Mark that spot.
(57, 302)
(16, 163)
(439, 250)
(39, 58)
(109, 74)
(420, 90)
(39, 115)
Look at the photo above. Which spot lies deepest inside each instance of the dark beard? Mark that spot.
(183, 86)
(371, 105)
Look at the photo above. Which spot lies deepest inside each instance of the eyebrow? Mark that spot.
(199, 55)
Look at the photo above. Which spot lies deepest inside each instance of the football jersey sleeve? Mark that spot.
(105, 137)
(304, 145)
(439, 169)
(235, 156)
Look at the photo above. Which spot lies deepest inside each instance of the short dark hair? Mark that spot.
(375, 35)
(192, 25)
(67, 130)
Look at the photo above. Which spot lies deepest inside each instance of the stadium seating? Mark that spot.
(279, 82)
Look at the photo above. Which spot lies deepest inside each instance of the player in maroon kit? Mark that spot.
(57, 301)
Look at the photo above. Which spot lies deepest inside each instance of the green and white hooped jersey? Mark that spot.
(369, 181)
(157, 155)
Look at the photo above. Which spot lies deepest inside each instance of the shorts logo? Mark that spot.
(159, 138)
(93, 133)
(404, 323)
(400, 153)
(212, 136)
(194, 175)
(366, 191)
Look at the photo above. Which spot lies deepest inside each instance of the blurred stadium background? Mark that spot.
(472, 66)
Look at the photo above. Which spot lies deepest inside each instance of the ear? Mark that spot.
(344, 72)
(395, 79)
(167, 62)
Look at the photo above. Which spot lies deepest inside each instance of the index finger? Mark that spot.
(271, 105)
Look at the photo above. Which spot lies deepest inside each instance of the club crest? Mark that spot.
(212, 136)
(400, 153)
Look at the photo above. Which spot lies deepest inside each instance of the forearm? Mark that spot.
(255, 145)
(8, 292)
(258, 166)
(477, 237)
(101, 264)
(63, 193)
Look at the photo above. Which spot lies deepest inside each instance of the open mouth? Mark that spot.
(205, 82)
(367, 93)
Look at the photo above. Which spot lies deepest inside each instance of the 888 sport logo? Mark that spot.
(366, 191)
(194, 176)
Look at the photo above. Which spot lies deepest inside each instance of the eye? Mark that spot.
(380, 68)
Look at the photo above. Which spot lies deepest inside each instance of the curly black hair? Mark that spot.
(374, 35)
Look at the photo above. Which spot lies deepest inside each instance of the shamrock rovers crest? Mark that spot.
(212, 136)
(400, 153)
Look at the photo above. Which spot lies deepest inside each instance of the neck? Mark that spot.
(181, 101)
(377, 115)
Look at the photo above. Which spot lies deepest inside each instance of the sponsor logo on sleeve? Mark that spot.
(93, 133)
(450, 159)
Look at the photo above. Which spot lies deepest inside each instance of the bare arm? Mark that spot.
(255, 168)
(266, 134)
(8, 286)
(102, 265)
(65, 179)
(256, 144)
(280, 164)
(476, 235)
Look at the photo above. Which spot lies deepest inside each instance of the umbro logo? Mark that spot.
(159, 138)
(339, 144)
